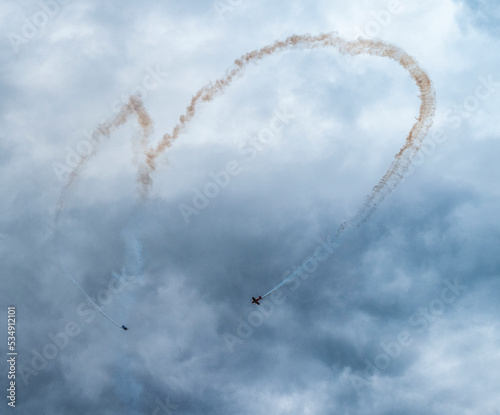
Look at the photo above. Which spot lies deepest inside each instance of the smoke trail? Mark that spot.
(134, 105)
(209, 91)
(69, 277)
(286, 281)
(357, 47)
(133, 249)
(134, 263)
(386, 184)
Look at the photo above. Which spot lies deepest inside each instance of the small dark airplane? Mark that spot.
(124, 328)
(256, 301)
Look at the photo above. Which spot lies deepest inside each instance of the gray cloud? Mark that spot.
(193, 282)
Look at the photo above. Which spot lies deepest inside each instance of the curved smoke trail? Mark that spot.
(386, 184)
(356, 47)
(104, 130)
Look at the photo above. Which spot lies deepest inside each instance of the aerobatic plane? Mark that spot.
(256, 301)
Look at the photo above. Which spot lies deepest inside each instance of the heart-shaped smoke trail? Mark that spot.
(386, 184)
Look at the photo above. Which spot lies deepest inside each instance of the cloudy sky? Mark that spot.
(402, 317)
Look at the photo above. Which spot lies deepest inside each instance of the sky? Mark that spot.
(400, 316)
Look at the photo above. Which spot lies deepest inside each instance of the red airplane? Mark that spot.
(256, 301)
